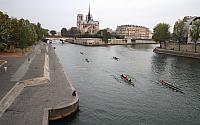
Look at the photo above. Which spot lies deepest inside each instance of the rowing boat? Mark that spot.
(126, 80)
(116, 58)
(87, 60)
(170, 85)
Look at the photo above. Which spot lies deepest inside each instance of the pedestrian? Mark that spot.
(5, 68)
(28, 59)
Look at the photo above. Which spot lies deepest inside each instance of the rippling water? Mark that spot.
(106, 100)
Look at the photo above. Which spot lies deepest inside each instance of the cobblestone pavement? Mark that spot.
(5, 77)
(28, 107)
(21, 68)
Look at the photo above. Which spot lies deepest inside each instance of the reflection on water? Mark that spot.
(106, 99)
(140, 47)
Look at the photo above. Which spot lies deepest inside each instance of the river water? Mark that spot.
(105, 99)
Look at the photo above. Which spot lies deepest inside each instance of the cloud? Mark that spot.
(111, 13)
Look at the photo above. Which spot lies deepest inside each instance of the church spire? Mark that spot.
(89, 16)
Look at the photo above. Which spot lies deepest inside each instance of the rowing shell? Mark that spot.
(173, 87)
(127, 81)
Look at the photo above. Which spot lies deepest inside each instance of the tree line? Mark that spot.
(103, 34)
(19, 32)
(161, 32)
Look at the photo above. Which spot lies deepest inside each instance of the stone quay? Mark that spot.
(42, 91)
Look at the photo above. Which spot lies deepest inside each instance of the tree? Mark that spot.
(53, 32)
(45, 32)
(104, 34)
(14, 30)
(20, 32)
(195, 32)
(4, 30)
(39, 31)
(63, 32)
(178, 32)
(33, 36)
(161, 33)
(74, 31)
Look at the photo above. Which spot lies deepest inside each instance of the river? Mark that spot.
(105, 99)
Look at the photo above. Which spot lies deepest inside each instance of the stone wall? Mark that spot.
(117, 41)
(98, 41)
(145, 41)
(177, 53)
(88, 41)
(183, 47)
(63, 111)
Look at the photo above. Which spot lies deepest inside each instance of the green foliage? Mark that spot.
(53, 32)
(64, 32)
(21, 32)
(2, 46)
(5, 27)
(161, 32)
(195, 32)
(179, 32)
(15, 30)
(45, 32)
(39, 31)
(104, 34)
(74, 31)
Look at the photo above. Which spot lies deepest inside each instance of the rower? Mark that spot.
(126, 77)
(162, 82)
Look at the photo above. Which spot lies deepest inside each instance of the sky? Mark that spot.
(56, 14)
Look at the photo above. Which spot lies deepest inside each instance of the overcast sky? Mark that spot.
(55, 14)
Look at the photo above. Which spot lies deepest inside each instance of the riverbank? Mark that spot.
(102, 44)
(114, 42)
(36, 100)
(177, 53)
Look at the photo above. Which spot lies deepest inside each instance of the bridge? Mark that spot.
(63, 39)
(60, 38)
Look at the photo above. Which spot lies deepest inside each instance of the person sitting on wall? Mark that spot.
(74, 93)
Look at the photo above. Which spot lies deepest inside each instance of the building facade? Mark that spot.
(88, 25)
(134, 32)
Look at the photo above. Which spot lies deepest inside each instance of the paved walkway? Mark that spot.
(13, 64)
(29, 64)
(29, 107)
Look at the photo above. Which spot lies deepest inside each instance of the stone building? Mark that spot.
(134, 32)
(87, 26)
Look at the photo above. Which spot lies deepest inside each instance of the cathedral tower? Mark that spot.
(89, 25)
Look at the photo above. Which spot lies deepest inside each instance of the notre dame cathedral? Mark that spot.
(87, 26)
